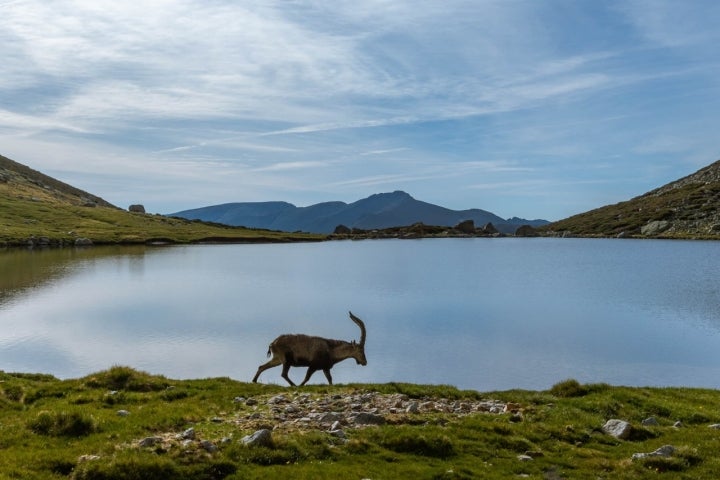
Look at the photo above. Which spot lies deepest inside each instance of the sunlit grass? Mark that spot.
(72, 429)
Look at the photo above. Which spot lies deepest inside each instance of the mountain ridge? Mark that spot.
(38, 210)
(378, 211)
(685, 208)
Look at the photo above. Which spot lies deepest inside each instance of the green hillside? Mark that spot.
(36, 209)
(686, 208)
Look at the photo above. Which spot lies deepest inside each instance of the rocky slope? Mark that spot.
(686, 208)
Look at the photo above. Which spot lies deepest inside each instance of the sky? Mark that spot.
(528, 108)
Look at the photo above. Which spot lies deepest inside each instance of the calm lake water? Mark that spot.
(484, 314)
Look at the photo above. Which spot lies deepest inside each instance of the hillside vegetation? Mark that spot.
(40, 210)
(126, 424)
(686, 208)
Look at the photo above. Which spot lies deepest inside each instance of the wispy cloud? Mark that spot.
(308, 100)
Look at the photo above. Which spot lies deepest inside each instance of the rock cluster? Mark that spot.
(258, 418)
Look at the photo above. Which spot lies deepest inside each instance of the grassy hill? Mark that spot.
(38, 209)
(686, 208)
(126, 424)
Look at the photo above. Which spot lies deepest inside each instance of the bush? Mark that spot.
(62, 424)
(12, 392)
(126, 378)
(569, 388)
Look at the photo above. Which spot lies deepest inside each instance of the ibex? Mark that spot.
(316, 353)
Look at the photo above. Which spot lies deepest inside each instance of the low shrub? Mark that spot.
(569, 388)
(62, 424)
(126, 378)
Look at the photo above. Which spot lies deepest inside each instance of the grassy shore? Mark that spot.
(46, 219)
(125, 424)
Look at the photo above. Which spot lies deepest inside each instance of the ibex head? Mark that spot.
(358, 352)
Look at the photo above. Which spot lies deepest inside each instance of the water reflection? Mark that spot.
(481, 314)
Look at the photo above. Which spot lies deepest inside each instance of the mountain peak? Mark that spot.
(378, 211)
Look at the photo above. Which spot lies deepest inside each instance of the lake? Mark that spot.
(483, 314)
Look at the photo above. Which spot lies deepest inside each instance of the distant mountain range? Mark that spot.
(382, 210)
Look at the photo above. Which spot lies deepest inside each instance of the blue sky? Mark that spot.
(529, 108)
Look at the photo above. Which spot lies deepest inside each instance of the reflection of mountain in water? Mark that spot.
(25, 269)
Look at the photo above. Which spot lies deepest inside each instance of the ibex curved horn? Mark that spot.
(361, 325)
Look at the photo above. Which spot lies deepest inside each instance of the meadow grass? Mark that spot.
(36, 213)
(51, 428)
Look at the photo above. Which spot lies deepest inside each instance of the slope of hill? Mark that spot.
(382, 210)
(36, 209)
(685, 208)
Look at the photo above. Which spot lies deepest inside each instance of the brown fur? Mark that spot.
(316, 353)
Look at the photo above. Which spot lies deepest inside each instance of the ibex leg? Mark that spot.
(272, 363)
(309, 373)
(286, 369)
(326, 371)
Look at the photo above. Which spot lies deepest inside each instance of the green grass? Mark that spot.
(52, 428)
(28, 212)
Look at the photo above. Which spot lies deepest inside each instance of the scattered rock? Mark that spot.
(617, 428)
(716, 426)
(123, 413)
(664, 451)
(136, 208)
(678, 424)
(525, 458)
(334, 414)
(149, 442)
(650, 422)
(262, 438)
(83, 242)
(209, 446)
(368, 419)
(278, 399)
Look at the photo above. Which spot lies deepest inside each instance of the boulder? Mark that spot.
(466, 226)
(137, 208)
(655, 227)
(261, 438)
(664, 451)
(617, 428)
(489, 229)
(83, 242)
